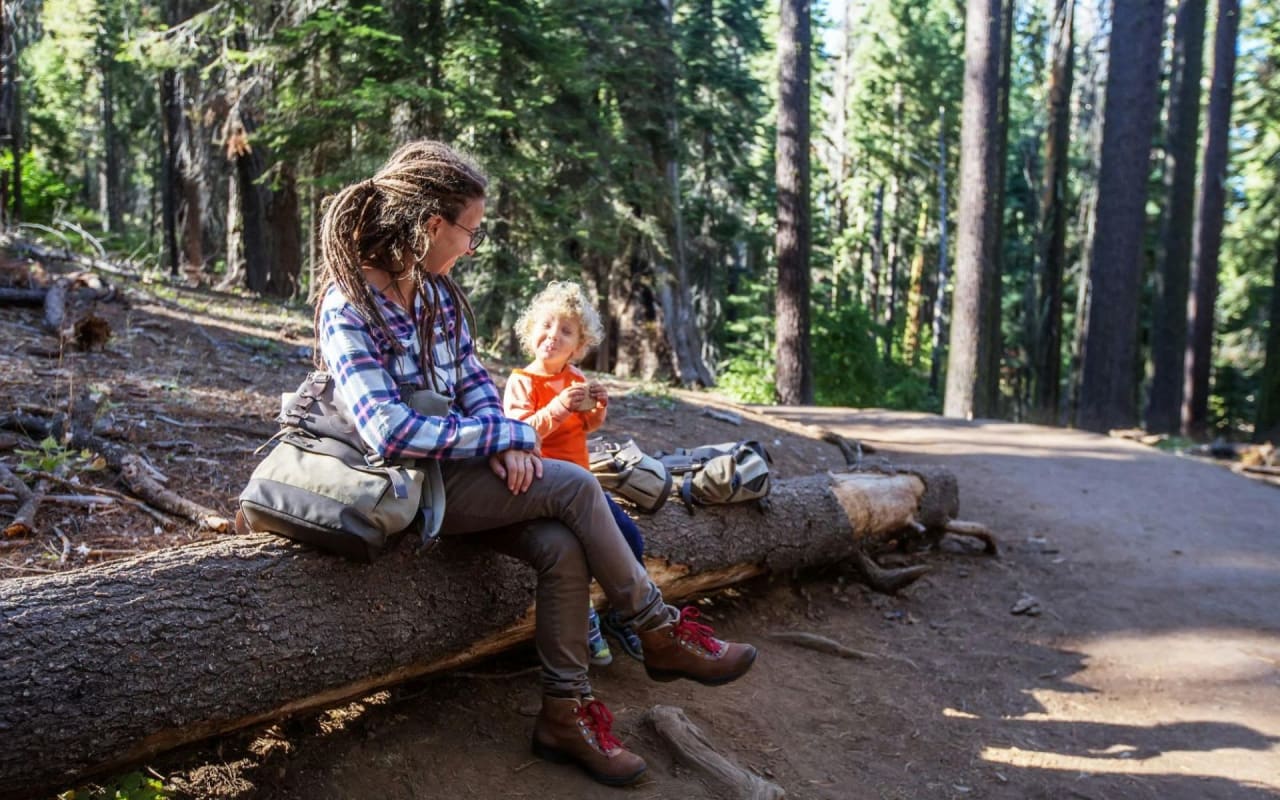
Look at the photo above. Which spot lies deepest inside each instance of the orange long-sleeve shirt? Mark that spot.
(529, 397)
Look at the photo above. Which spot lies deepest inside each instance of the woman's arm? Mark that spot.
(389, 426)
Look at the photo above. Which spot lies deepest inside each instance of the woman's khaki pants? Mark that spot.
(563, 528)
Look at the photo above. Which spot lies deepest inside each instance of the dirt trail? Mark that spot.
(1153, 670)
(1160, 581)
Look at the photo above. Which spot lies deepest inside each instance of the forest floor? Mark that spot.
(1151, 670)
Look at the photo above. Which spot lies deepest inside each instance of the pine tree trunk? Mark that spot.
(1046, 352)
(968, 392)
(941, 320)
(1109, 387)
(284, 234)
(111, 664)
(170, 122)
(915, 292)
(1208, 226)
(1267, 423)
(877, 253)
(1173, 253)
(994, 285)
(794, 377)
(112, 190)
(8, 108)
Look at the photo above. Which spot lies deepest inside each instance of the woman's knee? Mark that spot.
(552, 549)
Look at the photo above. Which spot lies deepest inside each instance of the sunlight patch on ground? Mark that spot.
(1241, 766)
(1160, 704)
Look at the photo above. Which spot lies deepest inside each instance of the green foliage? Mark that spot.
(847, 369)
(130, 786)
(52, 457)
(44, 194)
(747, 382)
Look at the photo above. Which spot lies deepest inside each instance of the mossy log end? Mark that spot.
(109, 665)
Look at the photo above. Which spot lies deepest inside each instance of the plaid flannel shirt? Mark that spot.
(368, 375)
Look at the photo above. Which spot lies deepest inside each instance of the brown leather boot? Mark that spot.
(569, 730)
(687, 649)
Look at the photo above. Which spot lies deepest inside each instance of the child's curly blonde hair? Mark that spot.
(564, 299)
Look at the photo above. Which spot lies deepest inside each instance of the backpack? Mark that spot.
(627, 471)
(714, 474)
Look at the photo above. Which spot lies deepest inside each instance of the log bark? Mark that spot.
(109, 665)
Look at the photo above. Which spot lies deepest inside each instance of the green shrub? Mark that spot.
(43, 192)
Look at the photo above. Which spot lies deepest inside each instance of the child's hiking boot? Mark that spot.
(579, 731)
(600, 655)
(688, 649)
(624, 634)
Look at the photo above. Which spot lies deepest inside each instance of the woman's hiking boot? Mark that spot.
(624, 634)
(600, 654)
(688, 649)
(579, 731)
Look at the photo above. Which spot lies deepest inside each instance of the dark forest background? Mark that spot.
(1061, 211)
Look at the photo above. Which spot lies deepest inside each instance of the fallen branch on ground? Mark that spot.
(822, 644)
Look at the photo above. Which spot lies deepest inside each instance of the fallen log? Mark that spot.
(108, 665)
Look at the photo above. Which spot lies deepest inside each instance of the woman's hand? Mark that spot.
(517, 467)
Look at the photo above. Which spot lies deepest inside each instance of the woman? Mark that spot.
(389, 316)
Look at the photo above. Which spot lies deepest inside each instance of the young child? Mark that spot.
(555, 398)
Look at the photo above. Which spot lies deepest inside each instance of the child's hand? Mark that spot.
(573, 396)
(598, 393)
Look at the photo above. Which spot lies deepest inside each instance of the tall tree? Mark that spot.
(1208, 226)
(1267, 423)
(9, 119)
(1173, 250)
(1108, 389)
(794, 379)
(969, 385)
(1046, 317)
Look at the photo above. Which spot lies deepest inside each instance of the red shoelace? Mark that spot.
(600, 721)
(689, 629)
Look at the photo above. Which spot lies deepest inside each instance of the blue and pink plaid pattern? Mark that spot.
(368, 374)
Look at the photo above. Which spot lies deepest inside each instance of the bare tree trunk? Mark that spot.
(995, 284)
(111, 190)
(915, 292)
(11, 109)
(877, 253)
(794, 378)
(1267, 424)
(170, 124)
(941, 321)
(1173, 250)
(1046, 319)
(1208, 226)
(284, 234)
(1108, 391)
(9, 121)
(969, 392)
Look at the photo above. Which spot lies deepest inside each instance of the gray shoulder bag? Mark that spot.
(322, 486)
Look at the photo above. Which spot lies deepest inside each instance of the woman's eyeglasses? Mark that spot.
(478, 235)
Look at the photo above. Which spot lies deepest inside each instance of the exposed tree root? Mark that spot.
(885, 579)
(822, 644)
(692, 748)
